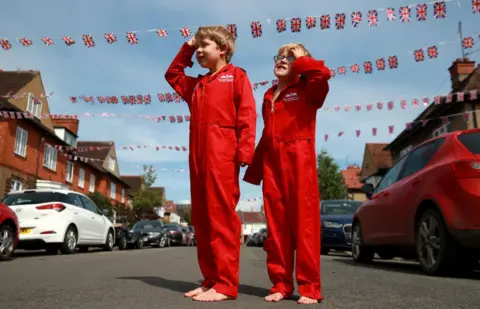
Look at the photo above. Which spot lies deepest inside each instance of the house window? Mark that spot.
(123, 195)
(16, 185)
(113, 189)
(35, 109)
(442, 130)
(70, 169)
(111, 164)
(50, 157)
(21, 139)
(81, 178)
(70, 139)
(405, 151)
(92, 183)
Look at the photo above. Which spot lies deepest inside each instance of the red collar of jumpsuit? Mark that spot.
(222, 134)
(285, 160)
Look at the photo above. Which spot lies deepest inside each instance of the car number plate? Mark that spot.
(145, 238)
(25, 231)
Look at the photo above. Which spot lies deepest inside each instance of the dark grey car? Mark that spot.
(148, 233)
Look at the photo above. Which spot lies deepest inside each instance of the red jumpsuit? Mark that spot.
(286, 162)
(222, 135)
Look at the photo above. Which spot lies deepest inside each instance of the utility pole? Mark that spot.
(460, 33)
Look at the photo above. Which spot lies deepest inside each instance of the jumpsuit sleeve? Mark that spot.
(316, 81)
(175, 75)
(246, 120)
(254, 172)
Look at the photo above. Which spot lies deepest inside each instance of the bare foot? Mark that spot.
(211, 296)
(196, 292)
(307, 301)
(275, 297)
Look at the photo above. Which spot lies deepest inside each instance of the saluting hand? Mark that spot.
(297, 52)
(243, 164)
(192, 41)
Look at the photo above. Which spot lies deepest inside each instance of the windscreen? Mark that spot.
(471, 141)
(33, 197)
(340, 207)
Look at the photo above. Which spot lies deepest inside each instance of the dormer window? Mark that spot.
(34, 106)
(111, 164)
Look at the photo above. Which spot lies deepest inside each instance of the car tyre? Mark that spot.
(139, 243)
(7, 247)
(109, 241)
(122, 242)
(163, 242)
(360, 252)
(69, 244)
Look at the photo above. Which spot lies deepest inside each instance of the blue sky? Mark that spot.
(124, 69)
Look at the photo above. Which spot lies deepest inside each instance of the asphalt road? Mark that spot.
(156, 278)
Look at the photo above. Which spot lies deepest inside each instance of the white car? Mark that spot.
(59, 220)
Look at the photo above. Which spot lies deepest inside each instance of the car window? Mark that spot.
(33, 197)
(74, 199)
(392, 175)
(157, 225)
(420, 157)
(471, 141)
(89, 205)
(340, 207)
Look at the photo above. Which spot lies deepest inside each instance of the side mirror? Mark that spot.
(368, 190)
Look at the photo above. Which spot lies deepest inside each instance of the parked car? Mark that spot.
(191, 238)
(337, 217)
(59, 220)
(260, 237)
(426, 206)
(148, 233)
(121, 232)
(9, 231)
(175, 232)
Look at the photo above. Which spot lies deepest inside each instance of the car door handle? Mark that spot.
(75, 213)
(93, 218)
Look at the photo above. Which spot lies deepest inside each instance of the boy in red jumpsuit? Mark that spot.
(286, 162)
(222, 138)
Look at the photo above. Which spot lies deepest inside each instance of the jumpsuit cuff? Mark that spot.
(208, 284)
(226, 290)
(311, 291)
(283, 289)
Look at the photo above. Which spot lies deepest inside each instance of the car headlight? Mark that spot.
(334, 225)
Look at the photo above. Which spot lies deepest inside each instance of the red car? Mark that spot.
(427, 206)
(9, 231)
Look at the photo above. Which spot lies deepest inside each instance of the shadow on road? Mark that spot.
(184, 286)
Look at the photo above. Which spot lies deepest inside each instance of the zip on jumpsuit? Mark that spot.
(286, 162)
(222, 135)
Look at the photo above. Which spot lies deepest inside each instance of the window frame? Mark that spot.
(70, 172)
(16, 181)
(111, 164)
(123, 196)
(22, 143)
(81, 178)
(50, 157)
(439, 131)
(401, 161)
(34, 109)
(113, 190)
(91, 185)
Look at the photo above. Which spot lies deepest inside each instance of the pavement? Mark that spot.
(157, 278)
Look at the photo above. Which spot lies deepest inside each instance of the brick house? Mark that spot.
(351, 176)
(252, 221)
(376, 162)
(464, 78)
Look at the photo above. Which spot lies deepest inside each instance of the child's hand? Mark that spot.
(192, 41)
(297, 52)
(243, 164)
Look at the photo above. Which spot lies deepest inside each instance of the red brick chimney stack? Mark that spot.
(460, 70)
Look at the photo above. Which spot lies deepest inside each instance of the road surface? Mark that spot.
(156, 278)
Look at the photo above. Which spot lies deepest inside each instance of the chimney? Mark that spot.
(460, 69)
(70, 124)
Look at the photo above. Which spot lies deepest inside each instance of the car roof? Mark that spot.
(63, 191)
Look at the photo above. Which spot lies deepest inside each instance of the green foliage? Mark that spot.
(145, 201)
(102, 202)
(149, 175)
(330, 178)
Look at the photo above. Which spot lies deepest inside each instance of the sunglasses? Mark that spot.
(278, 58)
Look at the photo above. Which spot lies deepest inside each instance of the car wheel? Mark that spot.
(139, 243)
(163, 242)
(324, 251)
(360, 252)
(7, 240)
(435, 247)
(109, 242)
(122, 243)
(69, 241)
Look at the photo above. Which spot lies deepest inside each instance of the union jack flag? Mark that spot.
(468, 42)
(325, 22)
(340, 21)
(132, 38)
(380, 64)
(367, 67)
(148, 99)
(391, 14)
(176, 97)
(440, 9)
(163, 33)
(281, 25)
(355, 68)
(310, 22)
(161, 97)
(419, 55)
(100, 99)
(421, 12)
(185, 32)
(342, 70)
(73, 99)
(110, 37)
(393, 62)
(356, 18)
(88, 40)
(68, 40)
(256, 28)
(475, 6)
(232, 28)
(296, 24)
(332, 72)
(133, 99)
(169, 97)
(124, 99)
(372, 18)
(405, 14)
(25, 42)
(432, 52)
(48, 41)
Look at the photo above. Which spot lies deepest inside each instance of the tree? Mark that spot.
(149, 175)
(102, 202)
(330, 178)
(145, 201)
(187, 216)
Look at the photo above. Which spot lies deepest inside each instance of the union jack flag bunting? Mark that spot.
(419, 55)
(421, 12)
(342, 70)
(47, 41)
(367, 67)
(355, 68)
(468, 42)
(110, 38)
(440, 9)
(88, 40)
(391, 14)
(232, 28)
(432, 52)
(281, 25)
(6, 45)
(340, 21)
(475, 6)
(356, 18)
(405, 14)
(131, 38)
(296, 24)
(325, 22)
(332, 72)
(372, 18)
(393, 62)
(163, 33)
(25, 42)
(256, 28)
(68, 40)
(380, 64)
(310, 22)
(185, 32)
